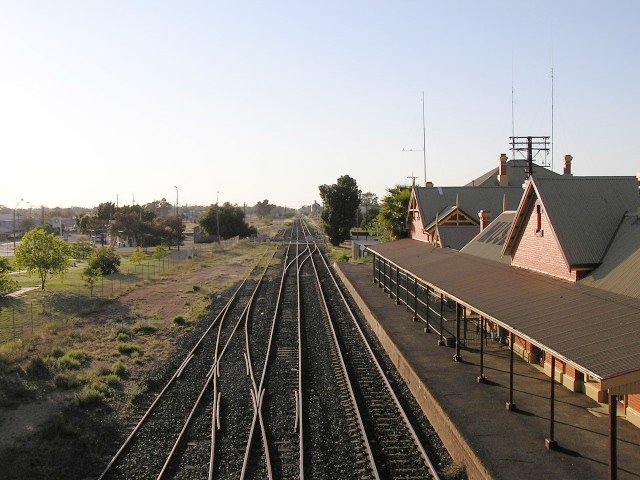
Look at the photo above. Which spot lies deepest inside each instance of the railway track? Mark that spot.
(282, 385)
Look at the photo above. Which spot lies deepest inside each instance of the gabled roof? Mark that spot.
(584, 213)
(517, 172)
(620, 268)
(488, 243)
(437, 200)
(456, 236)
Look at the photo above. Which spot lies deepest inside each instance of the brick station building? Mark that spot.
(557, 279)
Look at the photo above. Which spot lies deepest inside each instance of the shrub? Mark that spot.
(119, 369)
(128, 348)
(179, 320)
(343, 257)
(196, 288)
(66, 380)
(112, 380)
(123, 336)
(73, 359)
(89, 396)
(144, 328)
(57, 352)
(104, 259)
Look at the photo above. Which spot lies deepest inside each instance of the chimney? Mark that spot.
(567, 165)
(485, 219)
(429, 185)
(503, 178)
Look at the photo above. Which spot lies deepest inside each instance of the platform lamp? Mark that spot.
(13, 233)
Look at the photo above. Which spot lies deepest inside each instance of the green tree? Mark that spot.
(91, 276)
(341, 201)
(82, 249)
(7, 284)
(43, 253)
(231, 221)
(105, 210)
(160, 252)
(106, 260)
(391, 223)
(263, 208)
(172, 230)
(138, 256)
(5, 265)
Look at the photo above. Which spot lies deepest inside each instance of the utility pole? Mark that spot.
(217, 217)
(13, 234)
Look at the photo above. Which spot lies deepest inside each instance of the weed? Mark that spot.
(145, 328)
(66, 381)
(119, 369)
(112, 380)
(455, 472)
(128, 348)
(134, 394)
(99, 386)
(123, 336)
(179, 320)
(342, 257)
(57, 352)
(89, 396)
(196, 288)
(73, 359)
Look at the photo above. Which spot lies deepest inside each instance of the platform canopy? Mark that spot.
(595, 331)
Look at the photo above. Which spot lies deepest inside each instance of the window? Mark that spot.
(539, 231)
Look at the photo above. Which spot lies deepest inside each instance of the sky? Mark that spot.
(127, 100)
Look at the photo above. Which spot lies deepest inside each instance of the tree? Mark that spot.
(391, 223)
(369, 217)
(231, 221)
(263, 208)
(7, 284)
(341, 201)
(138, 256)
(106, 210)
(172, 230)
(43, 253)
(82, 249)
(90, 276)
(106, 260)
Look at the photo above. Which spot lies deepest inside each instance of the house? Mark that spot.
(451, 216)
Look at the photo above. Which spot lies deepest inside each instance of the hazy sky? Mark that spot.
(271, 99)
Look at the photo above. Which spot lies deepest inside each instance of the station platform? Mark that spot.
(470, 417)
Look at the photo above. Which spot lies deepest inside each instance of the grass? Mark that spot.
(66, 380)
(89, 396)
(179, 320)
(119, 369)
(128, 348)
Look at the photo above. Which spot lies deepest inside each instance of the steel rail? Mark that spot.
(401, 411)
(345, 374)
(212, 371)
(135, 430)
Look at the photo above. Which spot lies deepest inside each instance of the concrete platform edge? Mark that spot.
(453, 440)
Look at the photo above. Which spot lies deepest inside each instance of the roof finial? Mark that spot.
(413, 180)
(458, 201)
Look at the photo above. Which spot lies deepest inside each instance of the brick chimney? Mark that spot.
(503, 178)
(567, 165)
(485, 219)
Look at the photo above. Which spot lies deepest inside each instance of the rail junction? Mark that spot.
(284, 383)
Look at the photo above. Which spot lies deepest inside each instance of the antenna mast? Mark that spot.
(552, 114)
(513, 121)
(424, 144)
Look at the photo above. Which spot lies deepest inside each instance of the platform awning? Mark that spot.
(595, 331)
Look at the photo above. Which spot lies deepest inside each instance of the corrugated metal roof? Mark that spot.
(517, 172)
(488, 243)
(586, 211)
(620, 268)
(435, 200)
(457, 236)
(595, 330)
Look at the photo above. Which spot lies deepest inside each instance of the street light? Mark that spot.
(217, 217)
(13, 233)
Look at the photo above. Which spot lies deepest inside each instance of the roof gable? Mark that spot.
(436, 200)
(489, 242)
(584, 213)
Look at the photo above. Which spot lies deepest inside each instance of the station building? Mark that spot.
(556, 277)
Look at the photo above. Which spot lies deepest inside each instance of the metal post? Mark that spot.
(406, 290)
(457, 357)
(415, 300)
(374, 269)
(482, 378)
(441, 339)
(427, 315)
(397, 285)
(613, 433)
(510, 405)
(464, 326)
(550, 442)
(14, 324)
(384, 276)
